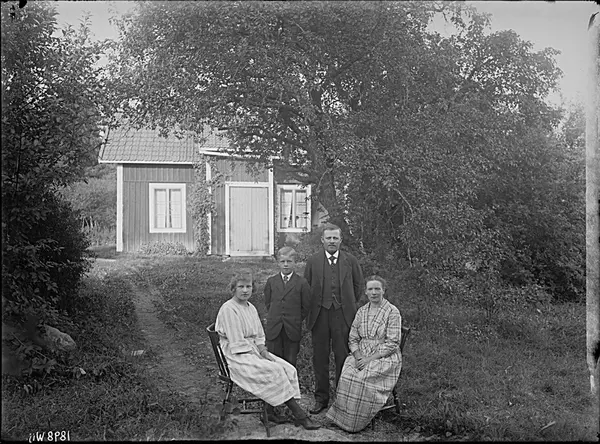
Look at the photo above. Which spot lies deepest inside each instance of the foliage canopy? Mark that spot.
(429, 149)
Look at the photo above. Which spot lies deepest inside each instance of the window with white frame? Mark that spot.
(294, 208)
(167, 208)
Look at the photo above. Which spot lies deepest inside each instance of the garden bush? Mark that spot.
(46, 145)
(44, 258)
(98, 235)
(309, 244)
(163, 248)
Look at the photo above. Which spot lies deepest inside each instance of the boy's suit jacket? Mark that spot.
(286, 307)
(351, 285)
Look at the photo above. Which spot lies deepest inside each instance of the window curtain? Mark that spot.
(301, 209)
(286, 209)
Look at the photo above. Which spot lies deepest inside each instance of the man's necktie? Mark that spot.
(286, 279)
(332, 264)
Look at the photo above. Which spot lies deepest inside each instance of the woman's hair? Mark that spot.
(245, 274)
(376, 278)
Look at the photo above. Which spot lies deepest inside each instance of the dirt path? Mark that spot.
(173, 370)
(175, 373)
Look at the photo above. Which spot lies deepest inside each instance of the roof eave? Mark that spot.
(157, 162)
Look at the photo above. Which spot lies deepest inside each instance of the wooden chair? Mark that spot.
(224, 376)
(396, 405)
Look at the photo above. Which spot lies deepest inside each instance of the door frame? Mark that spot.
(269, 186)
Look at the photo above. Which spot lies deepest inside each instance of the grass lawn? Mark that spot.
(116, 399)
(463, 376)
(104, 251)
(501, 379)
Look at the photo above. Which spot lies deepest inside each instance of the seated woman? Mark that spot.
(372, 370)
(251, 366)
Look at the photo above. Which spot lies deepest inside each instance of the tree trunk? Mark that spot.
(592, 208)
(325, 189)
(327, 196)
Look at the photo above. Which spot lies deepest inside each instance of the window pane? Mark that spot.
(301, 216)
(175, 209)
(285, 209)
(160, 208)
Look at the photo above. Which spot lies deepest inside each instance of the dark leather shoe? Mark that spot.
(275, 418)
(307, 423)
(318, 407)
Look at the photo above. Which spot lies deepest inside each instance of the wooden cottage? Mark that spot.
(255, 212)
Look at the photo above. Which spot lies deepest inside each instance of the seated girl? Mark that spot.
(251, 366)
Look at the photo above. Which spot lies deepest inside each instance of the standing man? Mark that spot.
(336, 283)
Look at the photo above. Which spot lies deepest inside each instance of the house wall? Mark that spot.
(235, 171)
(136, 201)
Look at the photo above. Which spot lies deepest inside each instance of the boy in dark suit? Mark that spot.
(287, 297)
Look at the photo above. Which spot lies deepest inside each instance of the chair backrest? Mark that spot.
(216, 345)
(404, 337)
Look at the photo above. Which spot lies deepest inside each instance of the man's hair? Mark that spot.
(376, 278)
(329, 226)
(286, 251)
(244, 274)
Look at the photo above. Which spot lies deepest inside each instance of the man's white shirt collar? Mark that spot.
(335, 255)
(284, 275)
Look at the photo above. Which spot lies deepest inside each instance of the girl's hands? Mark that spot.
(266, 355)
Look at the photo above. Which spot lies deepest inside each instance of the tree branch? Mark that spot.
(404, 199)
(269, 133)
(298, 173)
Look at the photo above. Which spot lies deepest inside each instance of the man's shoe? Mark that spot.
(307, 423)
(318, 407)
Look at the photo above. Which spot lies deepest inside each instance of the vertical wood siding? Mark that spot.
(236, 172)
(136, 201)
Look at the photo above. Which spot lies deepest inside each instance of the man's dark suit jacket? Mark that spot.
(351, 284)
(286, 307)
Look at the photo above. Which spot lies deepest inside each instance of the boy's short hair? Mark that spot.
(244, 274)
(286, 251)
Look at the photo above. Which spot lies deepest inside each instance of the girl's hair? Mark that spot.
(376, 278)
(244, 274)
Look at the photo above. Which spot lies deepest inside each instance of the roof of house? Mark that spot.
(129, 145)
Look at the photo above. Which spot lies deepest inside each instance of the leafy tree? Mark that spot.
(96, 199)
(281, 78)
(424, 148)
(52, 100)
